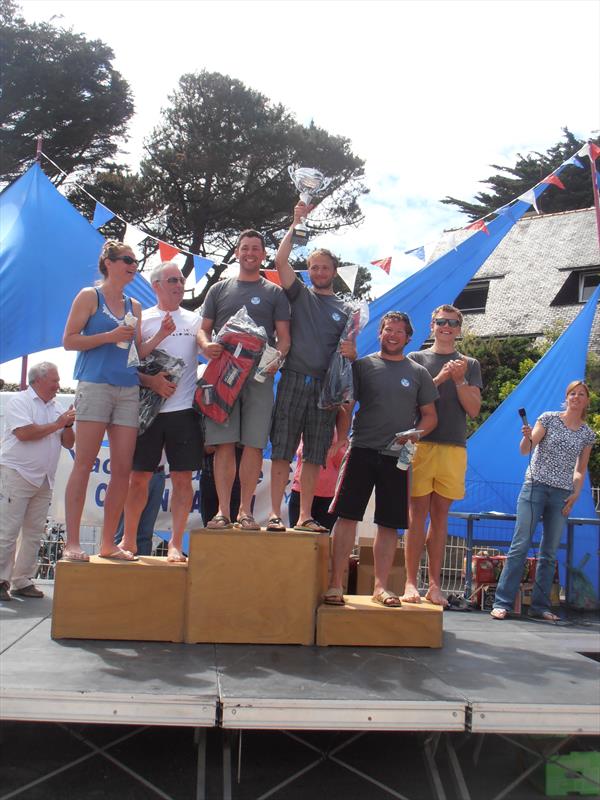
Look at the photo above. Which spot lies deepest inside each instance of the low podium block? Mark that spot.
(254, 587)
(136, 600)
(363, 623)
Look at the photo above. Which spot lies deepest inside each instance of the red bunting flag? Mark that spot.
(384, 263)
(478, 225)
(273, 276)
(554, 179)
(167, 251)
(594, 151)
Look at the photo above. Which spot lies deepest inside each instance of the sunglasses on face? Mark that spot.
(452, 323)
(173, 280)
(127, 259)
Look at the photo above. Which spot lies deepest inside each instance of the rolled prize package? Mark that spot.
(268, 358)
(151, 402)
(338, 386)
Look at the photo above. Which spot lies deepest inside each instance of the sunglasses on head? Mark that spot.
(127, 259)
(173, 280)
(452, 323)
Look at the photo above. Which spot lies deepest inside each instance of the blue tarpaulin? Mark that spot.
(495, 467)
(439, 282)
(48, 252)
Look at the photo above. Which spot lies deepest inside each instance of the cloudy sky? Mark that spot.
(429, 93)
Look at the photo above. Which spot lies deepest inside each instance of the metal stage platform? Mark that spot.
(513, 677)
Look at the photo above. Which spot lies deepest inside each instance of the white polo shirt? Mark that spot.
(37, 460)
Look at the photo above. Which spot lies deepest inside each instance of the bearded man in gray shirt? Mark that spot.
(395, 395)
(440, 462)
(318, 321)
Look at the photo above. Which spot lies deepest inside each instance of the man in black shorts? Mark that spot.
(318, 321)
(177, 427)
(395, 395)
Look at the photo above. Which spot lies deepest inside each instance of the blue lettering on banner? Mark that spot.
(100, 494)
(96, 467)
(195, 502)
(106, 466)
(165, 500)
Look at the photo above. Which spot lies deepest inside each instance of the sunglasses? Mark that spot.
(127, 259)
(452, 323)
(173, 280)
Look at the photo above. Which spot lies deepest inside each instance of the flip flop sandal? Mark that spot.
(334, 597)
(119, 555)
(311, 526)
(219, 523)
(387, 599)
(457, 603)
(276, 524)
(246, 523)
(80, 557)
(498, 613)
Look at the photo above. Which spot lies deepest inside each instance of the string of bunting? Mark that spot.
(589, 149)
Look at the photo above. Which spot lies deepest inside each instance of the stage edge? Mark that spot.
(343, 715)
(535, 718)
(115, 709)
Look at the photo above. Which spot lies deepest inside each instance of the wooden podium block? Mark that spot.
(361, 622)
(254, 587)
(136, 600)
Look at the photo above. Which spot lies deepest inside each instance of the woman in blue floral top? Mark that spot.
(560, 443)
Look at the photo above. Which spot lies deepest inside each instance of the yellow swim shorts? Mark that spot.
(439, 468)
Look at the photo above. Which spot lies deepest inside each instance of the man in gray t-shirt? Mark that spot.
(250, 419)
(395, 396)
(318, 321)
(441, 459)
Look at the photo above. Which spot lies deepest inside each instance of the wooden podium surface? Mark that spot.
(361, 622)
(254, 586)
(135, 600)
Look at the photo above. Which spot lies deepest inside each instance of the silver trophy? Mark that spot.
(309, 182)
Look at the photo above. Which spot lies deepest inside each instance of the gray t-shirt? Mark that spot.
(318, 321)
(389, 393)
(265, 303)
(452, 418)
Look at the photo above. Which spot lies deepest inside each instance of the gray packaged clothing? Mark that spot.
(389, 393)
(265, 303)
(452, 418)
(318, 321)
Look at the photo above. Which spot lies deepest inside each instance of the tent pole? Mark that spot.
(38, 149)
(23, 373)
(594, 187)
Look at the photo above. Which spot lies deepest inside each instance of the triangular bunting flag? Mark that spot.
(133, 236)
(594, 151)
(553, 179)
(102, 215)
(418, 252)
(573, 161)
(167, 251)
(304, 275)
(201, 267)
(384, 263)
(273, 276)
(348, 275)
(598, 179)
(478, 225)
(529, 197)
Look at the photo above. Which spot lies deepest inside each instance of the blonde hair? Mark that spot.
(573, 385)
(449, 310)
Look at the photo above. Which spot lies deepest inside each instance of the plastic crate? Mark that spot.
(577, 773)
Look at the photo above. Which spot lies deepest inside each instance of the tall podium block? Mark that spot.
(254, 587)
(135, 600)
(363, 623)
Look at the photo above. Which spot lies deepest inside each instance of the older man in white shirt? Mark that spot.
(35, 429)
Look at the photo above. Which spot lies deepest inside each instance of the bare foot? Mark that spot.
(411, 594)
(435, 596)
(175, 556)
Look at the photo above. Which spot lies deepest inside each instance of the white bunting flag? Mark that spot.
(529, 197)
(348, 275)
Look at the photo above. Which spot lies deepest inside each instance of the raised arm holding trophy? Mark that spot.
(309, 183)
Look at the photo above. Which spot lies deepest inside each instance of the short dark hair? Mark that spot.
(323, 251)
(250, 234)
(397, 316)
(449, 310)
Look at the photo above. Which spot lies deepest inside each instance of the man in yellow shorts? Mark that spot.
(440, 463)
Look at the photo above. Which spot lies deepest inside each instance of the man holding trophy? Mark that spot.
(318, 320)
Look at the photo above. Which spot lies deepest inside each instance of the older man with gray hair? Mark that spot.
(177, 428)
(35, 429)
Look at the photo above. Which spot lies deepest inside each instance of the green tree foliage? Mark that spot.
(217, 164)
(58, 84)
(528, 170)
